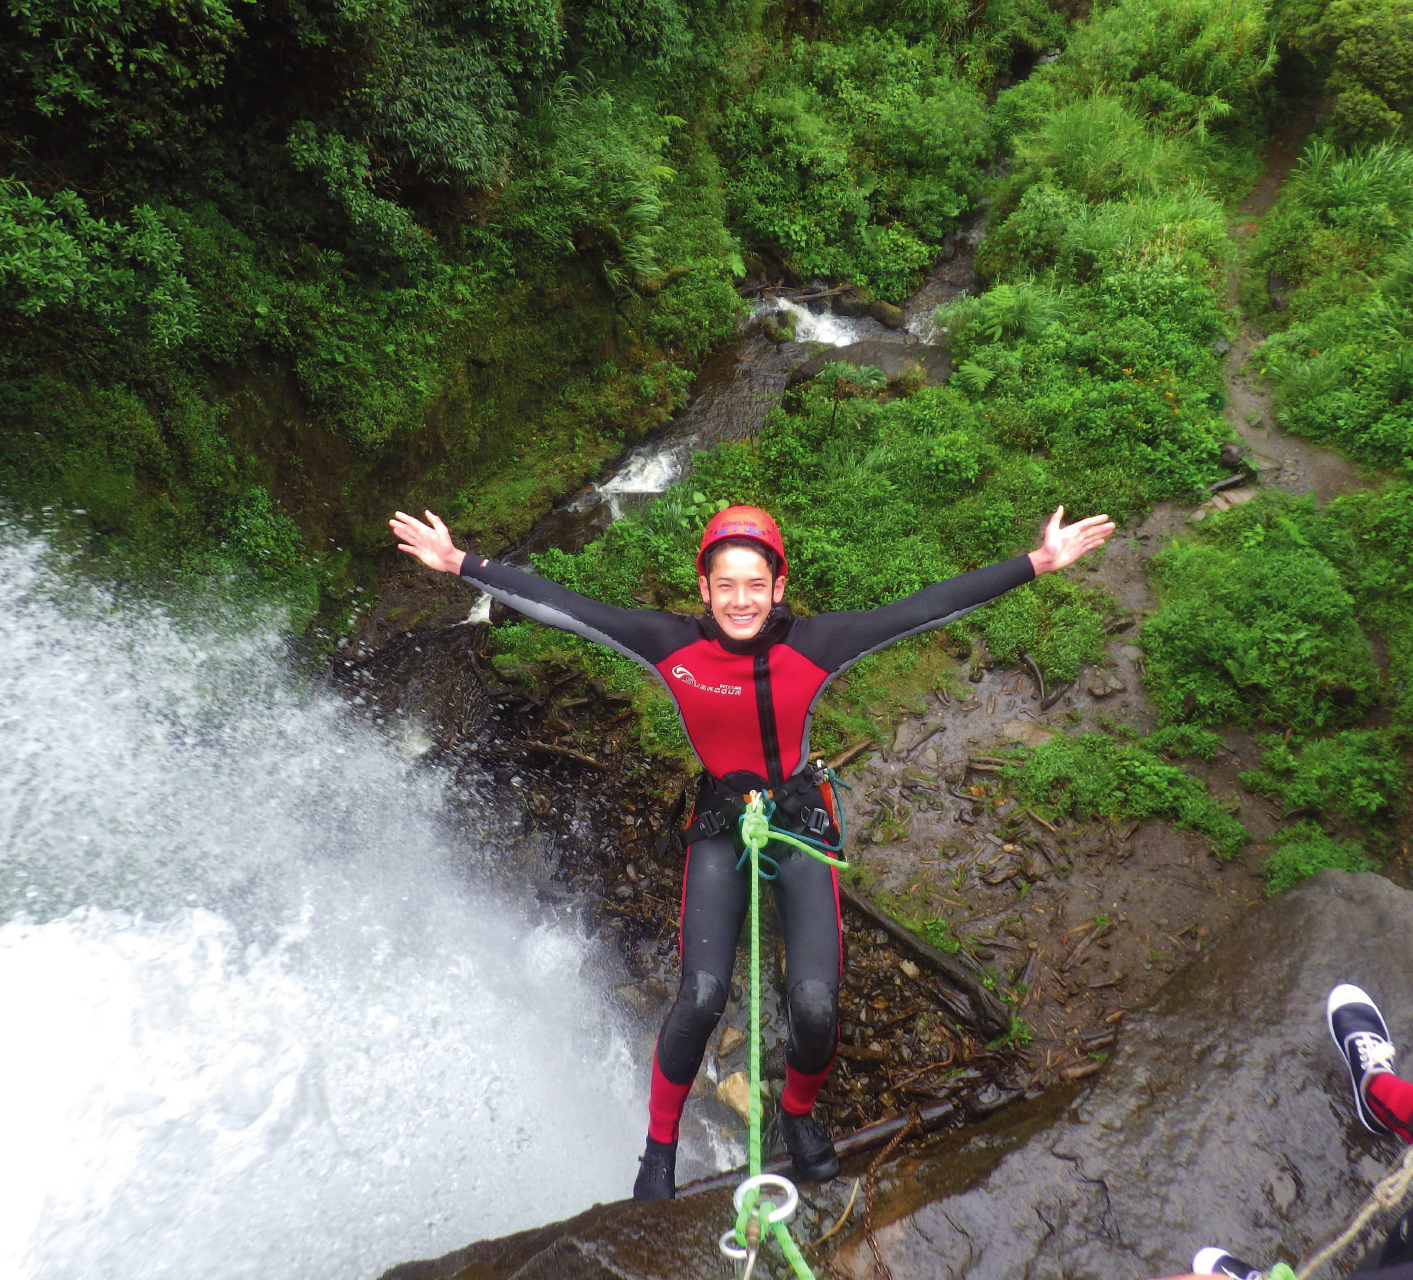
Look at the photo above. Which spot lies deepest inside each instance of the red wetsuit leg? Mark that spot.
(801, 1090)
(1391, 1101)
(665, 1103)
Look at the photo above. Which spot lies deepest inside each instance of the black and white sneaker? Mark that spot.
(1359, 1033)
(1218, 1262)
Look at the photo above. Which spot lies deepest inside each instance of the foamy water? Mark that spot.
(263, 1014)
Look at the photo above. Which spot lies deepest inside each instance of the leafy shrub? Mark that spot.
(1092, 776)
(1356, 772)
(1305, 850)
(853, 159)
(595, 181)
(1057, 622)
(1183, 740)
(1255, 624)
(342, 167)
(138, 70)
(58, 261)
(1185, 63)
(1099, 148)
(1022, 310)
(1370, 46)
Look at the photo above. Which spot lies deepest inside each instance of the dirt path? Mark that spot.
(1288, 462)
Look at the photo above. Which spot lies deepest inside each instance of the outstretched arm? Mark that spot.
(645, 635)
(1060, 547)
(835, 640)
(431, 542)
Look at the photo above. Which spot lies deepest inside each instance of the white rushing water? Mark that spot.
(261, 1016)
(650, 468)
(823, 326)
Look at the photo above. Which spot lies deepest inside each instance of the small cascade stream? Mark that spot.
(266, 1011)
(734, 391)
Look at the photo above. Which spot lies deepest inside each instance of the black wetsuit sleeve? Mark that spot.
(645, 635)
(833, 641)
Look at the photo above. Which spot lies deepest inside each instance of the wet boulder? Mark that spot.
(671, 1240)
(887, 313)
(852, 303)
(892, 357)
(1224, 1118)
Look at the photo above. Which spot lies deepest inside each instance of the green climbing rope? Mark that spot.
(756, 833)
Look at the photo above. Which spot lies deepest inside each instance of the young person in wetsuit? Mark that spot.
(745, 676)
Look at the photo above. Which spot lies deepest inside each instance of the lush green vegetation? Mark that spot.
(1092, 776)
(267, 272)
(1305, 850)
(311, 261)
(1341, 359)
(1265, 620)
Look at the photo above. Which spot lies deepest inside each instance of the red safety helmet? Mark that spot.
(742, 522)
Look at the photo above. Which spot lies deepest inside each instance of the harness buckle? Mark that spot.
(817, 821)
(711, 823)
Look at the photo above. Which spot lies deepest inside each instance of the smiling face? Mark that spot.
(740, 592)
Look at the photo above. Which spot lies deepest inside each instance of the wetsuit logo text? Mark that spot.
(681, 672)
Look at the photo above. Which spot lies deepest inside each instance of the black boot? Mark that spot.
(811, 1147)
(657, 1173)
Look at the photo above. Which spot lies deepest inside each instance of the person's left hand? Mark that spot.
(1063, 546)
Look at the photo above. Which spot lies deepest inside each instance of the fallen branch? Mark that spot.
(1084, 942)
(1036, 672)
(1231, 482)
(918, 745)
(849, 753)
(1030, 813)
(567, 752)
(991, 1015)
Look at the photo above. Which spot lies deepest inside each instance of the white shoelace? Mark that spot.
(1374, 1050)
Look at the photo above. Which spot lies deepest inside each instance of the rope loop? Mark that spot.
(769, 1213)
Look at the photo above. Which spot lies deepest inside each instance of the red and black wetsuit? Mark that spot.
(746, 707)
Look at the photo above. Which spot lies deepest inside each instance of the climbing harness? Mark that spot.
(789, 800)
(755, 1213)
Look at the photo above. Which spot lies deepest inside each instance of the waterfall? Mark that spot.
(265, 1011)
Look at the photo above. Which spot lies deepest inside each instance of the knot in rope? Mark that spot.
(755, 825)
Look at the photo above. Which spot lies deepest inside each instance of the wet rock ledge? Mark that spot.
(1224, 1118)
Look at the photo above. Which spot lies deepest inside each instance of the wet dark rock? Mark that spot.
(1224, 1116)
(1233, 456)
(852, 303)
(430, 677)
(1277, 289)
(892, 357)
(887, 313)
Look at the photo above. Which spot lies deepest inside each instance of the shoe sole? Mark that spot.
(1345, 994)
(1208, 1262)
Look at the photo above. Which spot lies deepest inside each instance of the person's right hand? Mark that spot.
(430, 542)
